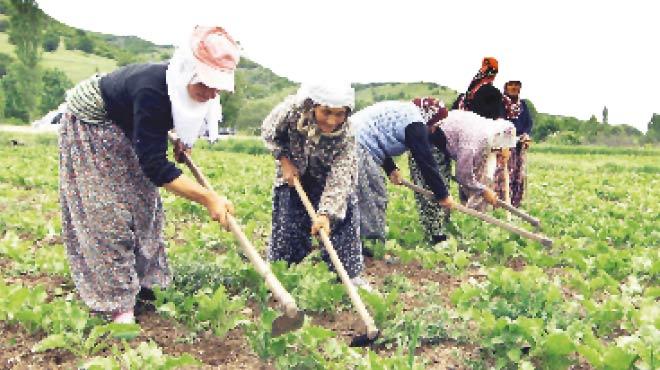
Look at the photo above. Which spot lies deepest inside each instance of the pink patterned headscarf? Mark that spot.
(216, 56)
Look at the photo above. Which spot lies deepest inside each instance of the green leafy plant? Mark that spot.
(144, 356)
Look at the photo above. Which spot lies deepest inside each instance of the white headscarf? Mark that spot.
(330, 95)
(189, 115)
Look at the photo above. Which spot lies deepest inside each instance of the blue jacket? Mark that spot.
(381, 128)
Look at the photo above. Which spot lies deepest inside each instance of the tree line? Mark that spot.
(27, 90)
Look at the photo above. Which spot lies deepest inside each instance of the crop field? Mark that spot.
(483, 299)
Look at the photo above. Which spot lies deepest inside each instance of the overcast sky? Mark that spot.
(573, 57)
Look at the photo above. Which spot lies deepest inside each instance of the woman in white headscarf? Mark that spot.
(113, 143)
(311, 139)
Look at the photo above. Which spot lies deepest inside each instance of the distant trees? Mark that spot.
(653, 129)
(5, 61)
(55, 85)
(51, 41)
(20, 90)
(232, 103)
(23, 81)
(26, 90)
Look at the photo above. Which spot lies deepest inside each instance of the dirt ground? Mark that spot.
(233, 351)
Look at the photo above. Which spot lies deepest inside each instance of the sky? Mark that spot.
(573, 57)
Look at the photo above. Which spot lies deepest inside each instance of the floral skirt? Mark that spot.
(112, 216)
(290, 239)
(432, 216)
(484, 173)
(517, 176)
(372, 196)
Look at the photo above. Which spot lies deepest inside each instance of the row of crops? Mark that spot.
(485, 299)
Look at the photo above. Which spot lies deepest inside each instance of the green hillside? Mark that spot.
(76, 64)
(80, 54)
(368, 94)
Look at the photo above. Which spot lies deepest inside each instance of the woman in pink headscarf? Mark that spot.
(113, 143)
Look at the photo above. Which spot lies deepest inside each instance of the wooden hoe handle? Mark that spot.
(372, 331)
(486, 218)
(250, 251)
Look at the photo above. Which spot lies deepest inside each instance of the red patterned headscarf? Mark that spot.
(432, 109)
(486, 75)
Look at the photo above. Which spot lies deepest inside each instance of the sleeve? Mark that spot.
(274, 131)
(465, 169)
(340, 182)
(527, 120)
(151, 122)
(389, 166)
(417, 140)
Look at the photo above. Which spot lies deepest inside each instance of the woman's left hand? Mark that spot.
(396, 178)
(526, 141)
(321, 222)
(490, 197)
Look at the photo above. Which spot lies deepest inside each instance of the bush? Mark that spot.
(51, 41)
(2, 104)
(21, 86)
(69, 43)
(5, 61)
(85, 44)
(55, 85)
(124, 58)
(565, 138)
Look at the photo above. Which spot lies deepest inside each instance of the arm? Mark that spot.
(340, 182)
(150, 142)
(150, 126)
(217, 206)
(417, 140)
(275, 132)
(527, 120)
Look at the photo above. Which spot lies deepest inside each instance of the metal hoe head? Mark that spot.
(285, 324)
(364, 340)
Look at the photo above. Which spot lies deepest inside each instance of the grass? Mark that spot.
(76, 64)
(595, 150)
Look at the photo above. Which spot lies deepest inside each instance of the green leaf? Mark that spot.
(461, 259)
(591, 355)
(101, 363)
(514, 354)
(616, 358)
(52, 341)
(124, 331)
(181, 361)
(558, 344)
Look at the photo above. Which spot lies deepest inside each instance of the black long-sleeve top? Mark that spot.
(418, 142)
(136, 99)
(487, 102)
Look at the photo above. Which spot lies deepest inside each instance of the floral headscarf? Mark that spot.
(432, 109)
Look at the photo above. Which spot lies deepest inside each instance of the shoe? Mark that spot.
(123, 318)
(142, 307)
(144, 302)
(435, 239)
(367, 252)
(146, 294)
(359, 282)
